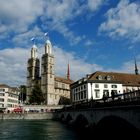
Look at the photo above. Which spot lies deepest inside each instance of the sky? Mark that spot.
(92, 35)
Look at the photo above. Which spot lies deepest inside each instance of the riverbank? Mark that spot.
(27, 116)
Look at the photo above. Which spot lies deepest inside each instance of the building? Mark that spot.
(9, 97)
(99, 83)
(56, 90)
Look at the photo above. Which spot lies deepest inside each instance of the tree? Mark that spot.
(22, 95)
(36, 95)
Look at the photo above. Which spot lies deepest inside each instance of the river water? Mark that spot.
(35, 130)
(55, 130)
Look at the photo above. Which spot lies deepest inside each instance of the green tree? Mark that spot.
(36, 96)
(22, 95)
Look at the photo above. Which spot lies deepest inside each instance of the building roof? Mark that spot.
(125, 78)
(63, 80)
(4, 86)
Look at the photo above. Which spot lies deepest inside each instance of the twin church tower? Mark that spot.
(56, 90)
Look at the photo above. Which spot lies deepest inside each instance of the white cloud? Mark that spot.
(57, 18)
(24, 39)
(95, 4)
(123, 21)
(60, 10)
(17, 15)
(20, 17)
(78, 67)
(13, 65)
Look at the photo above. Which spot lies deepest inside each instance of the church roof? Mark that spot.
(124, 78)
(63, 80)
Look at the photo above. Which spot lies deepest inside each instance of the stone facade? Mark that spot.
(56, 90)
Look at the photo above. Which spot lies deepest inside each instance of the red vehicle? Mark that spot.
(17, 110)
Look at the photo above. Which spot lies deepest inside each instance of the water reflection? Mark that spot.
(54, 130)
(35, 130)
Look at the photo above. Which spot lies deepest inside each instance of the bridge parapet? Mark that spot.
(129, 114)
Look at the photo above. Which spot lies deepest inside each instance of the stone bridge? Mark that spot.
(122, 116)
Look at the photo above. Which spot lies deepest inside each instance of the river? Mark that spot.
(35, 130)
(55, 130)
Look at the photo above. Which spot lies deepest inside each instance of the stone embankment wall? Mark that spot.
(26, 116)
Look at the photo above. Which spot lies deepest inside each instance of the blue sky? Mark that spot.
(93, 35)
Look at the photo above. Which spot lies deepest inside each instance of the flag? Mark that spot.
(33, 38)
(46, 34)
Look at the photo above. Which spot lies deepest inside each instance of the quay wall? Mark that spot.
(26, 116)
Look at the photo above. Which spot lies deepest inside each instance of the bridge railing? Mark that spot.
(129, 98)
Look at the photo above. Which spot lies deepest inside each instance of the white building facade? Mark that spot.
(94, 86)
(9, 97)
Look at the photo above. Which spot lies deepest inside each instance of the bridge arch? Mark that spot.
(62, 117)
(81, 122)
(116, 126)
(68, 118)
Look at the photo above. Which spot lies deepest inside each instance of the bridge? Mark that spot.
(120, 114)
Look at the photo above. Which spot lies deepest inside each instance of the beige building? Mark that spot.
(56, 90)
(9, 97)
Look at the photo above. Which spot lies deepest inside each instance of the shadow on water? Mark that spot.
(108, 128)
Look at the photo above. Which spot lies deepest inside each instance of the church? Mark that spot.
(55, 89)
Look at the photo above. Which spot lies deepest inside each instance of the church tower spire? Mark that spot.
(68, 72)
(47, 72)
(33, 70)
(136, 68)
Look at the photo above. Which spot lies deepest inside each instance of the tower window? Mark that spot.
(50, 69)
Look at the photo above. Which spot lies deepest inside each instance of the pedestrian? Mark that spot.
(104, 97)
(112, 95)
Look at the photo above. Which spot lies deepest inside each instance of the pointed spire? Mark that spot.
(47, 38)
(34, 48)
(48, 45)
(136, 68)
(68, 72)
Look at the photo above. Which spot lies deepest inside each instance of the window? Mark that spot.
(97, 93)
(96, 85)
(105, 86)
(56, 84)
(55, 96)
(51, 69)
(85, 94)
(63, 86)
(1, 94)
(1, 100)
(108, 77)
(84, 86)
(45, 68)
(106, 92)
(82, 95)
(114, 86)
(2, 89)
(100, 77)
(1, 105)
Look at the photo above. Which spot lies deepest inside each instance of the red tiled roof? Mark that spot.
(125, 78)
(63, 80)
